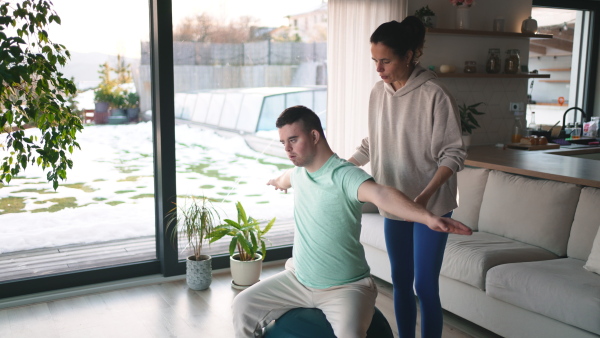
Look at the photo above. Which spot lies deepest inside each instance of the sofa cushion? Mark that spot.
(471, 184)
(593, 261)
(537, 212)
(585, 224)
(468, 258)
(372, 231)
(560, 289)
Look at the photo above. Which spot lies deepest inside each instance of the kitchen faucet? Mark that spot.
(583, 116)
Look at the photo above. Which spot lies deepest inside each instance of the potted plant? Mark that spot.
(468, 122)
(194, 222)
(426, 15)
(132, 104)
(247, 238)
(118, 101)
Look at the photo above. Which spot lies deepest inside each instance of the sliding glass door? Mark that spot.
(103, 214)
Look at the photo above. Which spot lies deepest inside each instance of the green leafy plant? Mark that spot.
(467, 118)
(424, 11)
(192, 222)
(423, 14)
(246, 235)
(34, 93)
(110, 90)
(102, 94)
(132, 100)
(117, 99)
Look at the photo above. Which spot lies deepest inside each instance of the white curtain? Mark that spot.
(351, 72)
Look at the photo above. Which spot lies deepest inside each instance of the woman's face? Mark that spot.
(390, 66)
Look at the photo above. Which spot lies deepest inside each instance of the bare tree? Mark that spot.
(205, 28)
(196, 28)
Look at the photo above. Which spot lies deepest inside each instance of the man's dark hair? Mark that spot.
(309, 119)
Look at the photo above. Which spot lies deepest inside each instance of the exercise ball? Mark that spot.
(311, 323)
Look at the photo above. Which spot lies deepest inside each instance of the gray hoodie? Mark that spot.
(412, 132)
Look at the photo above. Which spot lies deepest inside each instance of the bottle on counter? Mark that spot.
(512, 63)
(518, 129)
(532, 125)
(493, 62)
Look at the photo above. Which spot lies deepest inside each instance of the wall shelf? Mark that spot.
(556, 69)
(489, 76)
(487, 33)
(556, 81)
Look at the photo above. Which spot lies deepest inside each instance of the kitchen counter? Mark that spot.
(546, 164)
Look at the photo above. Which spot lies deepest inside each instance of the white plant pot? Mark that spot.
(198, 274)
(463, 20)
(245, 274)
(466, 138)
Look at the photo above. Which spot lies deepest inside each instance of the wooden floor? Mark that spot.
(45, 261)
(166, 309)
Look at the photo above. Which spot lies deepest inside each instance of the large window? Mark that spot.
(205, 128)
(235, 71)
(103, 214)
(570, 58)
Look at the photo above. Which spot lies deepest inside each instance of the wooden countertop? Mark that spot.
(538, 163)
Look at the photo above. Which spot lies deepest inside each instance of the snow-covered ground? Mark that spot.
(109, 193)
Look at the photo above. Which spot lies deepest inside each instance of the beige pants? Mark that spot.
(349, 308)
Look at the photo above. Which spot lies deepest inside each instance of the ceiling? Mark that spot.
(558, 22)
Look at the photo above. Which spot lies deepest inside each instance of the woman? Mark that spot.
(414, 145)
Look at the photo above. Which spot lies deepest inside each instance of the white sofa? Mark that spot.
(521, 273)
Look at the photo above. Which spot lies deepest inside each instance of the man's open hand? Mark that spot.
(275, 182)
(449, 225)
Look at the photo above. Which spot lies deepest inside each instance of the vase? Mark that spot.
(529, 26)
(466, 138)
(429, 21)
(199, 273)
(462, 17)
(245, 273)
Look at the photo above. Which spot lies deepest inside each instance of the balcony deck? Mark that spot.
(47, 261)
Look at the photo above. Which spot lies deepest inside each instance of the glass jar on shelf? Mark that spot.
(512, 62)
(493, 62)
(470, 67)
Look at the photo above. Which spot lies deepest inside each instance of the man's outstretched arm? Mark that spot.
(282, 182)
(395, 202)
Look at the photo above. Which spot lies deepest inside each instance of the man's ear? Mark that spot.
(315, 136)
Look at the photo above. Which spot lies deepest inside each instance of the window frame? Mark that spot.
(590, 73)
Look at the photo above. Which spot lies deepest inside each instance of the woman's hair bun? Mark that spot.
(401, 37)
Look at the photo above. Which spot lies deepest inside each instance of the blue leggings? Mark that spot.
(416, 253)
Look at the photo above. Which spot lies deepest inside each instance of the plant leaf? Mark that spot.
(232, 246)
(245, 245)
(268, 227)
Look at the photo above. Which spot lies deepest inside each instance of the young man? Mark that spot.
(328, 269)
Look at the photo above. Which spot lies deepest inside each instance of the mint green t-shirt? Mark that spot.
(327, 251)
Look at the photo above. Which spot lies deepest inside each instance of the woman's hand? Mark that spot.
(422, 200)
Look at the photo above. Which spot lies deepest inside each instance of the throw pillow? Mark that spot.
(593, 262)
